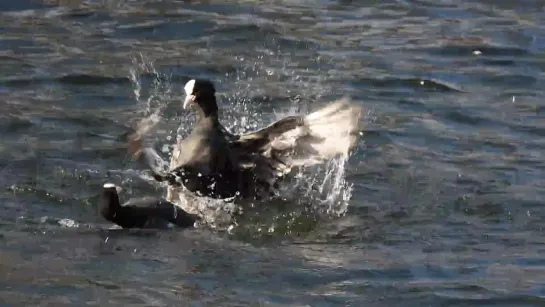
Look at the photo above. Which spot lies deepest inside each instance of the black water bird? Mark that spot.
(215, 163)
(143, 212)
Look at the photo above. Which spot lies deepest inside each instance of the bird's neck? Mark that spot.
(207, 113)
(210, 120)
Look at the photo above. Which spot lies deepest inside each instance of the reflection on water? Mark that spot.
(440, 204)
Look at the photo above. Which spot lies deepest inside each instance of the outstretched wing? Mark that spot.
(257, 141)
(263, 156)
(299, 140)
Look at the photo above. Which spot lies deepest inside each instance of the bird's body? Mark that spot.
(215, 163)
(142, 213)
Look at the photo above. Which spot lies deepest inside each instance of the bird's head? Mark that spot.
(201, 94)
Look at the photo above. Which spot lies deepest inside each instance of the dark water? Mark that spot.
(442, 203)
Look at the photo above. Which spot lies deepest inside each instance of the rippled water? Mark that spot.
(445, 190)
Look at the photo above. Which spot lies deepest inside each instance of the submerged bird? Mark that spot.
(142, 213)
(215, 163)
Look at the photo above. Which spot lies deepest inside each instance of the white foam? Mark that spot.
(68, 223)
(109, 185)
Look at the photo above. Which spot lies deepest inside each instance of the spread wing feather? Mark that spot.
(297, 141)
(270, 153)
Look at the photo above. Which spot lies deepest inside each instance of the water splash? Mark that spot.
(160, 88)
(325, 187)
(152, 105)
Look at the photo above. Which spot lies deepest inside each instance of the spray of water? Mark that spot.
(160, 92)
(324, 188)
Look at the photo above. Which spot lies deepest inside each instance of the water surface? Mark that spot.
(441, 204)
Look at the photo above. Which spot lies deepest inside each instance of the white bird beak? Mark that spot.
(188, 100)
